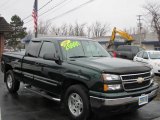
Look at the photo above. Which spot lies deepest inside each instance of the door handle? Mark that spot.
(36, 63)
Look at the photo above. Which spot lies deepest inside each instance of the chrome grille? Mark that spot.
(130, 81)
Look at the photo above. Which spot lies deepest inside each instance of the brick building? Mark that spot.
(4, 28)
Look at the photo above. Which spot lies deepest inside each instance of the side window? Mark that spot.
(120, 48)
(145, 55)
(33, 48)
(140, 54)
(135, 50)
(47, 47)
(140, 49)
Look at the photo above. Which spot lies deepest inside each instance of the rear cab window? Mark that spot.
(33, 48)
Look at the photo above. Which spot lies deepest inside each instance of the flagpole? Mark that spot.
(36, 6)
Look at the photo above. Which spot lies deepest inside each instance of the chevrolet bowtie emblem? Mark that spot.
(140, 80)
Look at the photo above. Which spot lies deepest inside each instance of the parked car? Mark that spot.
(149, 57)
(127, 51)
(80, 73)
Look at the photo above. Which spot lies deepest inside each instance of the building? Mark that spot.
(151, 41)
(148, 41)
(4, 28)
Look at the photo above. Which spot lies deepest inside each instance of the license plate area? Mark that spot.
(143, 100)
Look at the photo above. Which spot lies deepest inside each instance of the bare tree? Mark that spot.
(70, 30)
(98, 29)
(64, 30)
(55, 30)
(79, 29)
(153, 11)
(43, 27)
(95, 30)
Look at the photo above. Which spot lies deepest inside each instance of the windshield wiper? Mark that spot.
(78, 56)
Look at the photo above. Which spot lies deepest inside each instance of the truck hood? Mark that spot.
(111, 65)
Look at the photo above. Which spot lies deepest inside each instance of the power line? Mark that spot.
(69, 11)
(38, 9)
(52, 8)
(49, 10)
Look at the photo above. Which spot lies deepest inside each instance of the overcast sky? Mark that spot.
(119, 13)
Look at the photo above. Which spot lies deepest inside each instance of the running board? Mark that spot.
(44, 95)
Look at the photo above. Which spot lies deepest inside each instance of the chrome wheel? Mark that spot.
(9, 81)
(75, 104)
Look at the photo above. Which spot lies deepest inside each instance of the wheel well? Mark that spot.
(7, 68)
(69, 83)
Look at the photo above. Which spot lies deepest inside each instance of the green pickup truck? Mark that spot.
(81, 74)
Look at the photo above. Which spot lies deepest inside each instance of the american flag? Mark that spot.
(35, 15)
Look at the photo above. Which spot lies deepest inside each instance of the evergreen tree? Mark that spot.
(18, 32)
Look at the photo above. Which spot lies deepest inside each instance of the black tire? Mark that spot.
(11, 83)
(80, 91)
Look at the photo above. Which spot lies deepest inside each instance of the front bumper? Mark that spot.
(123, 99)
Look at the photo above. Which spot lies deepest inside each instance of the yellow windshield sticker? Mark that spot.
(68, 44)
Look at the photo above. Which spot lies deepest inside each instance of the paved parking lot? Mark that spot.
(29, 106)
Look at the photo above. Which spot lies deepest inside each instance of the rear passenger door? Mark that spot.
(50, 75)
(29, 65)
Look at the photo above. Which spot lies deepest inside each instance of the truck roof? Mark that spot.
(59, 38)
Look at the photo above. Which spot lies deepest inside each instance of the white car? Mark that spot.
(149, 57)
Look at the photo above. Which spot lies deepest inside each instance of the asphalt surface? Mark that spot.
(28, 106)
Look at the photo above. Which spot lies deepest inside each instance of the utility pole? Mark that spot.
(140, 28)
(36, 8)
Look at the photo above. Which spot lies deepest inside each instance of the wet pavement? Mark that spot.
(28, 106)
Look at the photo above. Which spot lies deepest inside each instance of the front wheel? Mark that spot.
(11, 83)
(77, 102)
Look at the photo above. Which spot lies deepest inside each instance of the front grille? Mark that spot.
(135, 76)
(130, 81)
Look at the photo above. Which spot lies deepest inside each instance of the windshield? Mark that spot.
(154, 55)
(81, 48)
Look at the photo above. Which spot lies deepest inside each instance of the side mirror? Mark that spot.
(49, 56)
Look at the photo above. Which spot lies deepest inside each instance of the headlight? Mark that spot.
(110, 77)
(108, 85)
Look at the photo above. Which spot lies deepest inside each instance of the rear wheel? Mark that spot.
(11, 83)
(77, 102)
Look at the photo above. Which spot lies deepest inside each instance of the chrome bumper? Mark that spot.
(122, 101)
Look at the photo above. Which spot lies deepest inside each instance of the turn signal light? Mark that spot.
(105, 87)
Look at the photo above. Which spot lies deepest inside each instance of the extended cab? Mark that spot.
(81, 74)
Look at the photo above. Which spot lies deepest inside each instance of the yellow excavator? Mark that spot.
(125, 35)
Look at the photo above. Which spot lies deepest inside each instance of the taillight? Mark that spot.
(114, 54)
